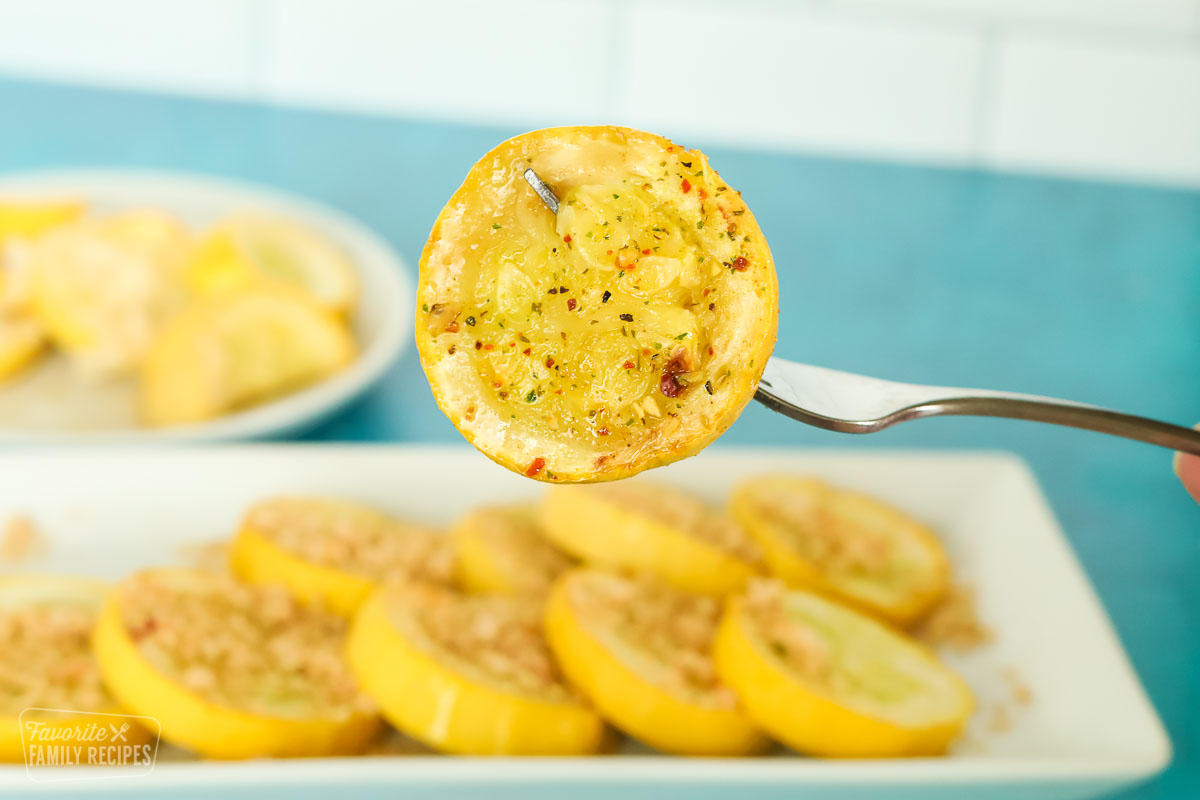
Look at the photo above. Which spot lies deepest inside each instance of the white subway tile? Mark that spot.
(790, 78)
(537, 60)
(1178, 16)
(1097, 109)
(190, 45)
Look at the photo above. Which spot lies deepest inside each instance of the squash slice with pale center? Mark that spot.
(844, 544)
(829, 681)
(333, 553)
(640, 651)
(470, 675)
(625, 332)
(231, 670)
(45, 644)
(654, 529)
(238, 349)
(502, 549)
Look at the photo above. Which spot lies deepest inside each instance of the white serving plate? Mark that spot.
(52, 404)
(1090, 728)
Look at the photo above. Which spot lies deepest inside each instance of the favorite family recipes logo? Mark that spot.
(123, 744)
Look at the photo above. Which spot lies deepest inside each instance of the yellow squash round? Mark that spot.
(829, 681)
(333, 552)
(844, 544)
(502, 550)
(634, 686)
(448, 702)
(190, 719)
(52, 594)
(654, 529)
(623, 333)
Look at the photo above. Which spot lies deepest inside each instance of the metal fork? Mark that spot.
(849, 403)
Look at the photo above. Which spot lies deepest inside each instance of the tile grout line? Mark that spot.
(615, 100)
(264, 23)
(987, 94)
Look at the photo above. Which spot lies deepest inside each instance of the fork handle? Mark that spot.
(1101, 420)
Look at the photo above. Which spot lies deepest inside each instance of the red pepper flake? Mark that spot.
(710, 350)
(671, 149)
(703, 194)
(645, 351)
(496, 384)
(608, 252)
(470, 415)
(645, 252)
(603, 431)
(706, 291)
(526, 351)
(571, 304)
(549, 363)
(558, 391)
(489, 346)
(567, 238)
(628, 365)
(740, 263)
(452, 327)
(535, 467)
(669, 385)
(687, 187)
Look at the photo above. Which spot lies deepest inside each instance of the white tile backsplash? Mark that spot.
(1106, 88)
(192, 45)
(529, 60)
(799, 78)
(1132, 111)
(1166, 16)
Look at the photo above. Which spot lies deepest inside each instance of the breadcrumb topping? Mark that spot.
(501, 636)
(675, 628)
(46, 660)
(513, 533)
(353, 538)
(252, 648)
(826, 537)
(801, 648)
(954, 622)
(20, 539)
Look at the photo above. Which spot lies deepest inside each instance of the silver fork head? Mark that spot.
(849, 403)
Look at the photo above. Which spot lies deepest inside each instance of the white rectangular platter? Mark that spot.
(1089, 728)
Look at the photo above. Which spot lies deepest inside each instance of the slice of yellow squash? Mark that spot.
(658, 530)
(640, 652)
(502, 550)
(624, 333)
(45, 623)
(239, 349)
(469, 700)
(248, 249)
(844, 544)
(829, 681)
(262, 676)
(334, 552)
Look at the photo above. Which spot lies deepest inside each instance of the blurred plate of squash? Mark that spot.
(144, 305)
